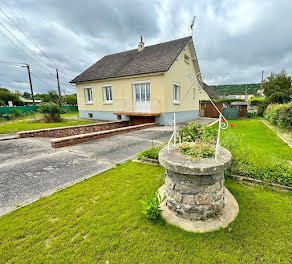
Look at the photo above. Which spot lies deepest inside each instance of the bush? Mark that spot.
(250, 115)
(197, 150)
(51, 111)
(272, 113)
(17, 113)
(151, 206)
(255, 100)
(285, 116)
(194, 131)
(278, 173)
(279, 114)
(6, 95)
(151, 153)
(2, 103)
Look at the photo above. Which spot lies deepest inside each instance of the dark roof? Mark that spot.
(209, 90)
(152, 59)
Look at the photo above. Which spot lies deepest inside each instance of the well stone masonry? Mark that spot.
(194, 188)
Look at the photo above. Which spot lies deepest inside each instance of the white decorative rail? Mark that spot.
(223, 124)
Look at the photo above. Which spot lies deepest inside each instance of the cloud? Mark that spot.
(234, 40)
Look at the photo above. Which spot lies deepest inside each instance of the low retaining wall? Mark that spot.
(59, 132)
(72, 140)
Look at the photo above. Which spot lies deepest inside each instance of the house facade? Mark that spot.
(143, 85)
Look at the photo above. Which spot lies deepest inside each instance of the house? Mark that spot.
(142, 85)
(239, 96)
(29, 101)
(207, 92)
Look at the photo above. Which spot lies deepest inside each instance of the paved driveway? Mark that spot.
(30, 168)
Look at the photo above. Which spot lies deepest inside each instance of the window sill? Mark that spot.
(176, 102)
(187, 62)
(108, 103)
(89, 103)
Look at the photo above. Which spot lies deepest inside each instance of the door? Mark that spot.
(142, 98)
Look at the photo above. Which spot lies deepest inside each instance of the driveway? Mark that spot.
(30, 168)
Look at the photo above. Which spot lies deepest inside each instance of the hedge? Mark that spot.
(279, 115)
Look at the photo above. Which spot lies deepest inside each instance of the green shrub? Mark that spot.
(194, 131)
(17, 113)
(272, 113)
(51, 112)
(197, 150)
(151, 206)
(285, 116)
(278, 173)
(227, 101)
(151, 153)
(250, 115)
(2, 103)
(255, 100)
(6, 117)
(262, 107)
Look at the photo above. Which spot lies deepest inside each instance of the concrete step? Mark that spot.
(72, 140)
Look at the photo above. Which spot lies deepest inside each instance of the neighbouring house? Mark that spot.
(239, 96)
(29, 101)
(207, 93)
(142, 85)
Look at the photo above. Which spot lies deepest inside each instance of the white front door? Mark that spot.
(142, 97)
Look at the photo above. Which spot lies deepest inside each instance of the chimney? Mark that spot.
(141, 45)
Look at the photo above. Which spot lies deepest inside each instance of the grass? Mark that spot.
(258, 152)
(100, 220)
(258, 141)
(27, 123)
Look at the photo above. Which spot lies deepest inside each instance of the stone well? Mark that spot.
(194, 189)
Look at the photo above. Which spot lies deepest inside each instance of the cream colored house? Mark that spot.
(142, 85)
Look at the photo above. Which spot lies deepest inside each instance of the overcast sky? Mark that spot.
(234, 40)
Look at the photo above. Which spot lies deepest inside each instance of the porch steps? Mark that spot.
(76, 139)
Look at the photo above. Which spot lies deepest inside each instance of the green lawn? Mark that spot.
(258, 152)
(260, 140)
(100, 220)
(26, 123)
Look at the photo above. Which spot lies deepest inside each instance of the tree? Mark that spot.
(26, 95)
(51, 96)
(70, 99)
(6, 95)
(278, 88)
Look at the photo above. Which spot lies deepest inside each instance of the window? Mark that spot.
(176, 87)
(88, 95)
(107, 94)
(187, 59)
(90, 115)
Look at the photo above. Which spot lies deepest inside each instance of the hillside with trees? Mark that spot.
(228, 89)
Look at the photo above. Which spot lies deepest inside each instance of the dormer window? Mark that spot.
(187, 59)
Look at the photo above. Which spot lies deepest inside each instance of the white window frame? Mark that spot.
(176, 94)
(105, 87)
(187, 60)
(88, 91)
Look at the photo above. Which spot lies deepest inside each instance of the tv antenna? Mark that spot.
(192, 25)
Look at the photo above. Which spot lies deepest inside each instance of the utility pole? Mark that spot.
(59, 89)
(29, 77)
(246, 92)
(262, 80)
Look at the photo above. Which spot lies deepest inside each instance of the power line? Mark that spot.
(22, 50)
(23, 45)
(28, 37)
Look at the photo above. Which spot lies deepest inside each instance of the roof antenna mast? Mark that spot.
(192, 25)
